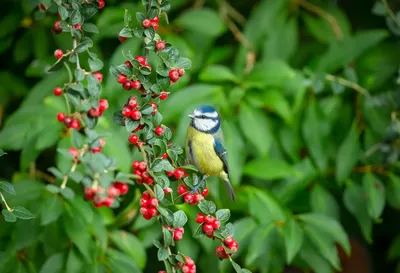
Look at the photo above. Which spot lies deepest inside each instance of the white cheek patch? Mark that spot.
(205, 124)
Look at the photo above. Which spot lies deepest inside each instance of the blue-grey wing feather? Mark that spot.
(222, 153)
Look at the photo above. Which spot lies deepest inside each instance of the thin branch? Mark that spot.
(148, 6)
(75, 44)
(391, 13)
(347, 83)
(324, 14)
(74, 166)
(5, 202)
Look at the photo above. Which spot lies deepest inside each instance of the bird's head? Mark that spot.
(205, 119)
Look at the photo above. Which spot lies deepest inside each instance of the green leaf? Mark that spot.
(130, 245)
(52, 208)
(74, 263)
(275, 101)
(162, 254)
(94, 87)
(53, 264)
(329, 226)
(269, 169)
(184, 63)
(272, 73)
(56, 173)
(237, 267)
(23, 213)
(63, 12)
(313, 136)
(68, 193)
(180, 219)
(293, 235)
(207, 207)
(375, 195)
(393, 191)
(256, 128)
(323, 202)
(90, 27)
(217, 73)
(158, 190)
(9, 216)
(223, 215)
(2, 152)
(77, 139)
(354, 201)
(348, 154)
(127, 17)
(264, 206)
(168, 237)
(139, 16)
(7, 187)
(205, 21)
(161, 165)
(95, 64)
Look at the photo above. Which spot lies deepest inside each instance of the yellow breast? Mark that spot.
(204, 156)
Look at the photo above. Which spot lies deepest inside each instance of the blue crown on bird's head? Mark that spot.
(205, 119)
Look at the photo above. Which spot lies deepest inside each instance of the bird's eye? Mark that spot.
(203, 116)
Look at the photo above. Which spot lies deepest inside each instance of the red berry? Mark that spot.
(145, 175)
(77, 26)
(75, 124)
(153, 202)
(146, 195)
(58, 53)
(126, 112)
(97, 202)
(60, 117)
(147, 216)
(122, 187)
(221, 253)
(153, 212)
(99, 76)
(185, 269)
(96, 150)
(200, 218)
(159, 130)
(135, 164)
(137, 172)
(101, 4)
(169, 173)
(102, 142)
(216, 224)
(144, 202)
(178, 173)
(42, 7)
(136, 115)
(162, 271)
(128, 63)
(160, 45)
(136, 84)
(148, 66)
(74, 152)
(58, 91)
(209, 219)
(133, 103)
(89, 193)
(205, 192)
(122, 39)
(210, 234)
(93, 112)
(146, 23)
(207, 228)
(167, 190)
(133, 139)
(177, 235)
(154, 105)
(154, 25)
(149, 180)
(174, 75)
(163, 95)
(141, 59)
(108, 202)
(142, 166)
(164, 156)
(181, 72)
(121, 78)
(228, 241)
(181, 189)
(127, 85)
(234, 247)
(103, 105)
(197, 198)
(155, 19)
(56, 27)
(67, 121)
(188, 198)
(144, 210)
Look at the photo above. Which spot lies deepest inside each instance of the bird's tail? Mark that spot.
(229, 189)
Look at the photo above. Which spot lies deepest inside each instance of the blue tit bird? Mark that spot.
(205, 147)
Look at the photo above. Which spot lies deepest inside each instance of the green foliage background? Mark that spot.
(299, 130)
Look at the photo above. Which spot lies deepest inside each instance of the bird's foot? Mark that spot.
(199, 185)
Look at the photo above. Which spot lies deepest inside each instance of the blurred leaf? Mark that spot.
(202, 20)
(130, 245)
(313, 137)
(180, 219)
(54, 264)
(375, 195)
(217, 73)
(330, 226)
(323, 202)
(27, 191)
(120, 262)
(52, 208)
(393, 191)
(293, 235)
(7, 187)
(314, 259)
(269, 169)
(348, 154)
(354, 201)
(270, 73)
(275, 101)
(264, 206)
(23, 213)
(74, 263)
(394, 251)
(223, 215)
(9, 216)
(256, 128)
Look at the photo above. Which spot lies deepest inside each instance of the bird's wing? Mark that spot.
(222, 153)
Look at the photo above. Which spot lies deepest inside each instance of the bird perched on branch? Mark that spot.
(204, 147)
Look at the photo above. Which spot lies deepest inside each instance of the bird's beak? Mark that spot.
(191, 116)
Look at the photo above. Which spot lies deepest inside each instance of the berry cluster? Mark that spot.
(97, 112)
(151, 23)
(191, 199)
(178, 173)
(69, 121)
(210, 223)
(140, 169)
(231, 244)
(178, 233)
(148, 206)
(101, 197)
(175, 74)
(188, 266)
